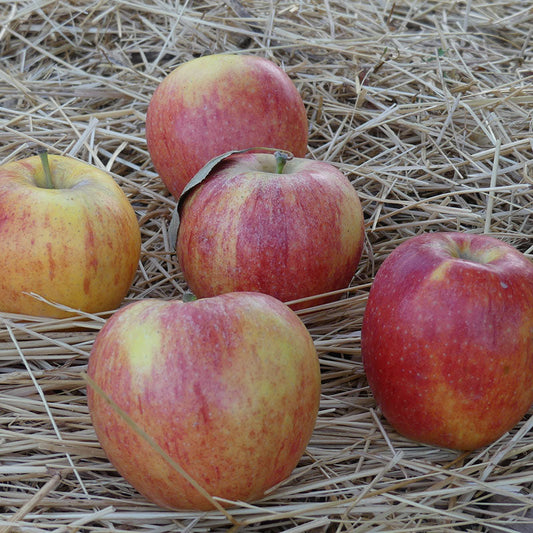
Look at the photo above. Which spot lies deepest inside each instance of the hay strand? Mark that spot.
(427, 108)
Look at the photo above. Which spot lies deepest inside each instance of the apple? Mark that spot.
(228, 387)
(221, 102)
(68, 234)
(447, 339)
(288, 228)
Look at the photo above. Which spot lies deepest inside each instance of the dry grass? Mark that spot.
(427, 107)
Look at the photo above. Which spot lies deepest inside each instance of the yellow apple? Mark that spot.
(74, 241)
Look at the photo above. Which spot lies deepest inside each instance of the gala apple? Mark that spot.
(74, 241)
(292, 230)
(221, 102)
(228, 388)
(447, 339)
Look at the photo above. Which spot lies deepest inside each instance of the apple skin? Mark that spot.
(447, 339)
(77, 244)
(217, 103)
(291, 235)
(228, 386)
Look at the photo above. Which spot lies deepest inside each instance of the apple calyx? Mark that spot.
(281, 160)
(43, 154)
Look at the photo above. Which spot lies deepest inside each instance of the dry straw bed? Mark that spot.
(425, 105)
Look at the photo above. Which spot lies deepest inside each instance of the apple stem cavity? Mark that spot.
(46, 167)
(281, 160)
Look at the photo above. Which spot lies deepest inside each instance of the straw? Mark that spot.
(425, 106)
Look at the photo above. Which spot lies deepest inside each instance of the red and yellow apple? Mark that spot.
(447, 339)
(292, 230)
(228, 387)
(217, 103)
(74, 241)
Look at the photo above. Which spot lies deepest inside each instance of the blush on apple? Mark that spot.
(228, 387)
(67, 234)
(447, 339)
(292, 229)
(217, 103)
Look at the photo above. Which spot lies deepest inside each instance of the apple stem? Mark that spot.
(281, 160)
(46, 167)
(188, 296)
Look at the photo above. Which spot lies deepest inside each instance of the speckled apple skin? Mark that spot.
(76, 244)
(291, 235)
(217, 103)
(447, 339)
(229, 387)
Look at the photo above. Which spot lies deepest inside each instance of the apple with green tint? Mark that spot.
(221, 102)
(67, 234)
(227, 387)
(447, 339)
(291, 228)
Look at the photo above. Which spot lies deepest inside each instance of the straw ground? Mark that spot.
(427, 108)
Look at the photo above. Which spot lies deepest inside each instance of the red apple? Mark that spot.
(292, 232)
(217, 103)
(74, 241)
(229, 387)
(447, 339)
